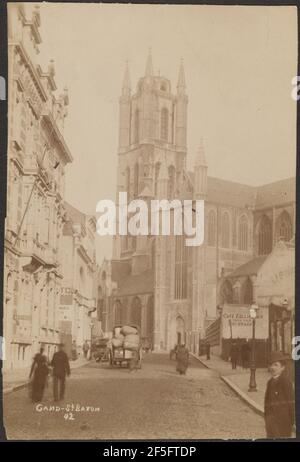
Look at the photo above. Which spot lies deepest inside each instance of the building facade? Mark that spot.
(172, 291)
(78, 295)
(36, 160)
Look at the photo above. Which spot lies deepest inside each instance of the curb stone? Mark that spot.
(242, 395)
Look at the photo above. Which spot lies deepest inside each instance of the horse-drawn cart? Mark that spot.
(123, 352)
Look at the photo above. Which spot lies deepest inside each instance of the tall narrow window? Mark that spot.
(136, 312)
(164, 124)
(181, 260)
(127, 181)
(225, 231)
(243, 234)
(211, 228)
(136, 179)
(171, 181)
(118, 313)
(156, 173)
(264, 236)
(136, 134)
(284, 227)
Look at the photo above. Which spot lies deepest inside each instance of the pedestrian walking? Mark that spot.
(38, 375)
(279, 400)
(86, 348)
(61, 368)
(182, 358)
(234, 352)
(74, 351)
(245, 354)
(207, 348)
(173, 352)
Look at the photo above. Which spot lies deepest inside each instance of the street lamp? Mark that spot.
(91, 326)
(253, 314)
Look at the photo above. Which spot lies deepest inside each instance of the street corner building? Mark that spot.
(171, 291)
(38, 227)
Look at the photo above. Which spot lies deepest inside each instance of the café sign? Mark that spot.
(237, 323)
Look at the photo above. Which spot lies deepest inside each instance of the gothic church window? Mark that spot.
(248, 292)
(181, 260)
(243, 234)
(225, 227)
(284, 227)
(136, 126)
(156, 173)
(136, 180)
(164, 124)
(212, 228)
(264, 236)
(118, 313)
(171, 182)
(136, 312)
(127, 181)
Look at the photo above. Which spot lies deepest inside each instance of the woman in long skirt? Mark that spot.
(182, 359)
(39, 372)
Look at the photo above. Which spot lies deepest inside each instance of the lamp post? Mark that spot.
(91, 326)
(253, 314)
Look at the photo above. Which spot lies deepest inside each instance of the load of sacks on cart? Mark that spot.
(126, 337)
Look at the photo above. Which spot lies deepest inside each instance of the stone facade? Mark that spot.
(78, 297)
(170, 290)
(36, 160)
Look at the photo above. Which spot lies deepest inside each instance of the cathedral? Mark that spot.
(156, 282)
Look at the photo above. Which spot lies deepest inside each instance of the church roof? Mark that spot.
(241, 195)
(249, 268)
(276, 193)
(229, 192)
(137, 284)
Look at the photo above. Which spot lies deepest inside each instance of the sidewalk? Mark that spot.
(238, 380)
(14, 380)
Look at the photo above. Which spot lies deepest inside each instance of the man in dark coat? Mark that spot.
(207, 348)
(61, 368)
(234, 353)
(182, 359)
(279, 400)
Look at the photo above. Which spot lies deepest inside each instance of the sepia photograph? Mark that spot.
(149, 242)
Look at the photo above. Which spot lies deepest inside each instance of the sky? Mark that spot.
(239, 63)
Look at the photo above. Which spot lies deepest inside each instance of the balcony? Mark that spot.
(39, 253)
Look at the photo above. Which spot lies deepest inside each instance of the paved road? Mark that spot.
(152, 403)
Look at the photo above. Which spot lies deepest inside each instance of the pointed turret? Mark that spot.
(124, 131)
(200, 160)
(163, 171)
(181, 110)
(181, 80)
(126, 87)
(149, 65)
(200, 172)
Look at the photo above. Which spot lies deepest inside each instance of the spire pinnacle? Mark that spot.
(149, 65)
(200, 160)
(163, 171)
(181, 79)
(126, 87)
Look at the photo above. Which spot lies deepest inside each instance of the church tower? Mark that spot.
(152, 130)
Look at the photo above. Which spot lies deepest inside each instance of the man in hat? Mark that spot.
(61, 368)
(279, 400)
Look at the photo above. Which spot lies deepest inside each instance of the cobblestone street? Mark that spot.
(152, 403)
